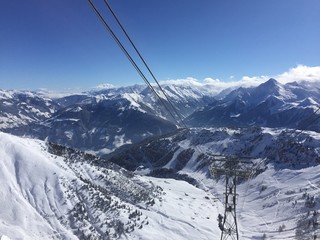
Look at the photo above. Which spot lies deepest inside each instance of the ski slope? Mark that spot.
(45, 196)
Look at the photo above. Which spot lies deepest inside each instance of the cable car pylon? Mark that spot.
(233, 169)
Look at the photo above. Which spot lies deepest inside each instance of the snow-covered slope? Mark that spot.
(280, 198)
(281, 204)
(64, 194)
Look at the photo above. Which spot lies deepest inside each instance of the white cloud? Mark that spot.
(188, 80)
(58, 94)
(104, 86)
(298, 73)
(215, 85)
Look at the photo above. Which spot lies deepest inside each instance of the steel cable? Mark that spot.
(145, 64)
(131, 60)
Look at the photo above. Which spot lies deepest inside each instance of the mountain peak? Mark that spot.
(271, 82)
(270, 87)
(294, 84)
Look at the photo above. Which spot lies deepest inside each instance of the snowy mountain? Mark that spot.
(270, 104)
(52, 192)
(20, 108)
(98, 121)
(187, 97)
(103, 119)
(280, 199)
(100, 126)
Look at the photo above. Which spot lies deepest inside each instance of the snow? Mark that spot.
(40, 190)
(281, 202)
(271, 201)
(100, 98)
(34, 185)
(235, 115)
(4, 237)
(6, 94)
(308, 103)
(7, 103)
(25, 172)
(76, 109)
(66, 119)
(119, 140)
(185, 212)
(19, 108)
(9, 120)
(276, 202)
(69, 134)
(134, 99)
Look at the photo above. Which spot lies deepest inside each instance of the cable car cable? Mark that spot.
(144, 62)
(130, 58)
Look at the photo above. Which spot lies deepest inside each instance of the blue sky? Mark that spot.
(61, 44)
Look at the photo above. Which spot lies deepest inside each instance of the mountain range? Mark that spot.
(104, 119)
(270, 104)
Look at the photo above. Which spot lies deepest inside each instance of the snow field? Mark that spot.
(51, 197)
(184, 212)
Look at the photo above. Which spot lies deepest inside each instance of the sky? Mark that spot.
(61, 44)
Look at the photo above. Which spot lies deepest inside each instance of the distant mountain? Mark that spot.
(20, 108)
(100, 126)
(100, 120)
(187, 98)
(270, 104)
(108, 117)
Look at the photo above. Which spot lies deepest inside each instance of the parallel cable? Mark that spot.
(145, 64)
(131, 59)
